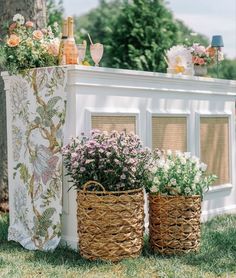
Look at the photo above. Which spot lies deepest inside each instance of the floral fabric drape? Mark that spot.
(37, 103)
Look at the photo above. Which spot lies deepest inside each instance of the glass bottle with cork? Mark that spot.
(71, 51)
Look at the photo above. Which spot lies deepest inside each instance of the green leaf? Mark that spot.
(47, 122)
(52, 102)
(47, 214)
(24, 173)
(37, 120)
(41, 112)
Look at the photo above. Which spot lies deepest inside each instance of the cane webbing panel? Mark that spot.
(214, 133)
(119, 123)
(169, 133)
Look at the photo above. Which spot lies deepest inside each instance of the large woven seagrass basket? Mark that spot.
(110, 224)
(174, 223)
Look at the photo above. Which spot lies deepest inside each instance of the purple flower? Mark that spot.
(131, 161)
(74, 155)
(111, 158)
(75, 164)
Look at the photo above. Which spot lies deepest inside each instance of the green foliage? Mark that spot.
(227, 70)
(143, 31)
(4, 222)
(188, 37)
(55, 12)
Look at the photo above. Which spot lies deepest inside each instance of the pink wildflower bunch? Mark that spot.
(116, 160)
(202, 55)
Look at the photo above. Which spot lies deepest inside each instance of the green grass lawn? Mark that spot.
(217, 258)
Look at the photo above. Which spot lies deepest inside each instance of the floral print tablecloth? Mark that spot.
(37, 103)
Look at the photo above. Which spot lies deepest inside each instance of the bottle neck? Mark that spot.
(65, 30)
(70, 28)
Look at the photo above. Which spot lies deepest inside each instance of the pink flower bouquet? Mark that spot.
(202, 56)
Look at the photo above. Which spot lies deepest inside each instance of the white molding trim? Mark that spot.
(153, 89)
(218, 85)
(208, 214)
(218, 188)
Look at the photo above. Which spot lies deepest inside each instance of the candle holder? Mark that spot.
(217, 42)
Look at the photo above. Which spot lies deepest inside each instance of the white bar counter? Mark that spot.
(195, 114)
(177, 112)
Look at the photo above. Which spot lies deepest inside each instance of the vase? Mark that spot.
(200, 70)
(174, 223)
(110, 224)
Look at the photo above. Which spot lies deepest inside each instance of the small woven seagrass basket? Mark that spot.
(174, 223)
(110, 224)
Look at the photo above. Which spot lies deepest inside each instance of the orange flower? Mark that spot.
(12, 27)
(211, 51)
(37, 35)
(13, 40)
(29, 24)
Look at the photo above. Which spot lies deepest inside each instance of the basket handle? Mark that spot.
(93, 182)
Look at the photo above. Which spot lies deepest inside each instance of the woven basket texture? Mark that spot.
(174, 223)
(110, 224)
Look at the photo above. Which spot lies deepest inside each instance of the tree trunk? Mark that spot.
(34, 10)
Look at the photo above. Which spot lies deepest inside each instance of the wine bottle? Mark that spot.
(62, 56)
(71, 51)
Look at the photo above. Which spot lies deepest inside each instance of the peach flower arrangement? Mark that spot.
(202, 55)
(26, 47)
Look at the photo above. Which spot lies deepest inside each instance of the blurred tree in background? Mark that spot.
(55, 12)
(227, 70)
(143, 31)
(187, 36)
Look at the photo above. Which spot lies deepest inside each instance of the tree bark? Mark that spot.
(34, 10)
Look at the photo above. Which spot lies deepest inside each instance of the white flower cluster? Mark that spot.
(178, 173)
(19, 19)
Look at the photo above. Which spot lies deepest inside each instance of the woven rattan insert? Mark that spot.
(169, 133)
(119, 123)
(214, 144)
